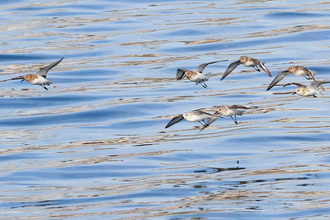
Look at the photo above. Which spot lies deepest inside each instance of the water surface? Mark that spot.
(94, 145)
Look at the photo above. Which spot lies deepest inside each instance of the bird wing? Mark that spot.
(175, 120)
(312, 75)
(201, 67)
(44, 70)
(316, 84)
(15, 78)
(230, 68)
(278, 78)
(180, 73)
(242, 107)
(296, 84)
(263, 67)
(202, 112)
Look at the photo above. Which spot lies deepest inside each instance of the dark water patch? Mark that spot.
(40, 102)
(21, 156)
(218, 170)
(140, 196)
(82, 54)
(91, 29)
(88, 73)
(97, 6)
(322, 35)
(29, 8)
(93, 171)
(18, 58)
(188, 32)
(266, 139)
(67, 14)
(132, 125)
(96, 115)
(13, 2)
(295, 15)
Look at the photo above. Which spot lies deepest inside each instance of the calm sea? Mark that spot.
(94, 146)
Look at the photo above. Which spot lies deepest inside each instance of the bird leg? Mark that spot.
(43, 86)
(203, 84)
(256, 68)
(201, 123)
(234, 119)
(204, 125)
(308, 77)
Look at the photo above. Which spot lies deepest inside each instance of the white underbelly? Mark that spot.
(198, 78)
(249, 64)
(40, 81)
(300, 73)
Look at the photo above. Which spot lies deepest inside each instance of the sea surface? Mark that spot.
(94, 146)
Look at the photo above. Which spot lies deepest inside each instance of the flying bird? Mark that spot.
(196, 76)
(248, 62)
(39, 78)
(193, 116)
(310, 90)
(295, 70)
(231, 111)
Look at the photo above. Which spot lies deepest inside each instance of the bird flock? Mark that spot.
(232, 111)
(198, 77)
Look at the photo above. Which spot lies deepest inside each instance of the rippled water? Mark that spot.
(94, 145)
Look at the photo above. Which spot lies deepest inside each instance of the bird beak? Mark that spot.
(294, 93)
(23, 80)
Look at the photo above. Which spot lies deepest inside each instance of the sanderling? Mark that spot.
(248, 62)
(39, 78)
(297, 71)
(196, 76)
(310, 90)
(232, 111)
(193, 116)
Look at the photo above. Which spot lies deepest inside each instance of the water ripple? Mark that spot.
(95, 145)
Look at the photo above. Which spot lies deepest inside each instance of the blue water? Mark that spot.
(94, 146)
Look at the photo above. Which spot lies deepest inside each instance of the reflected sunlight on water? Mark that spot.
(95, 145)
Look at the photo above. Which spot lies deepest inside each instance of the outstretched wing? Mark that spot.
(296, 84)
(15, 78)
(201, 67)
(263, 67)
(242, 107)
(230, 68)
(316, 84)
(200, 112)
(312, 75)
(180, 73)
(175, 120)
(278, 78)
(44, 70)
